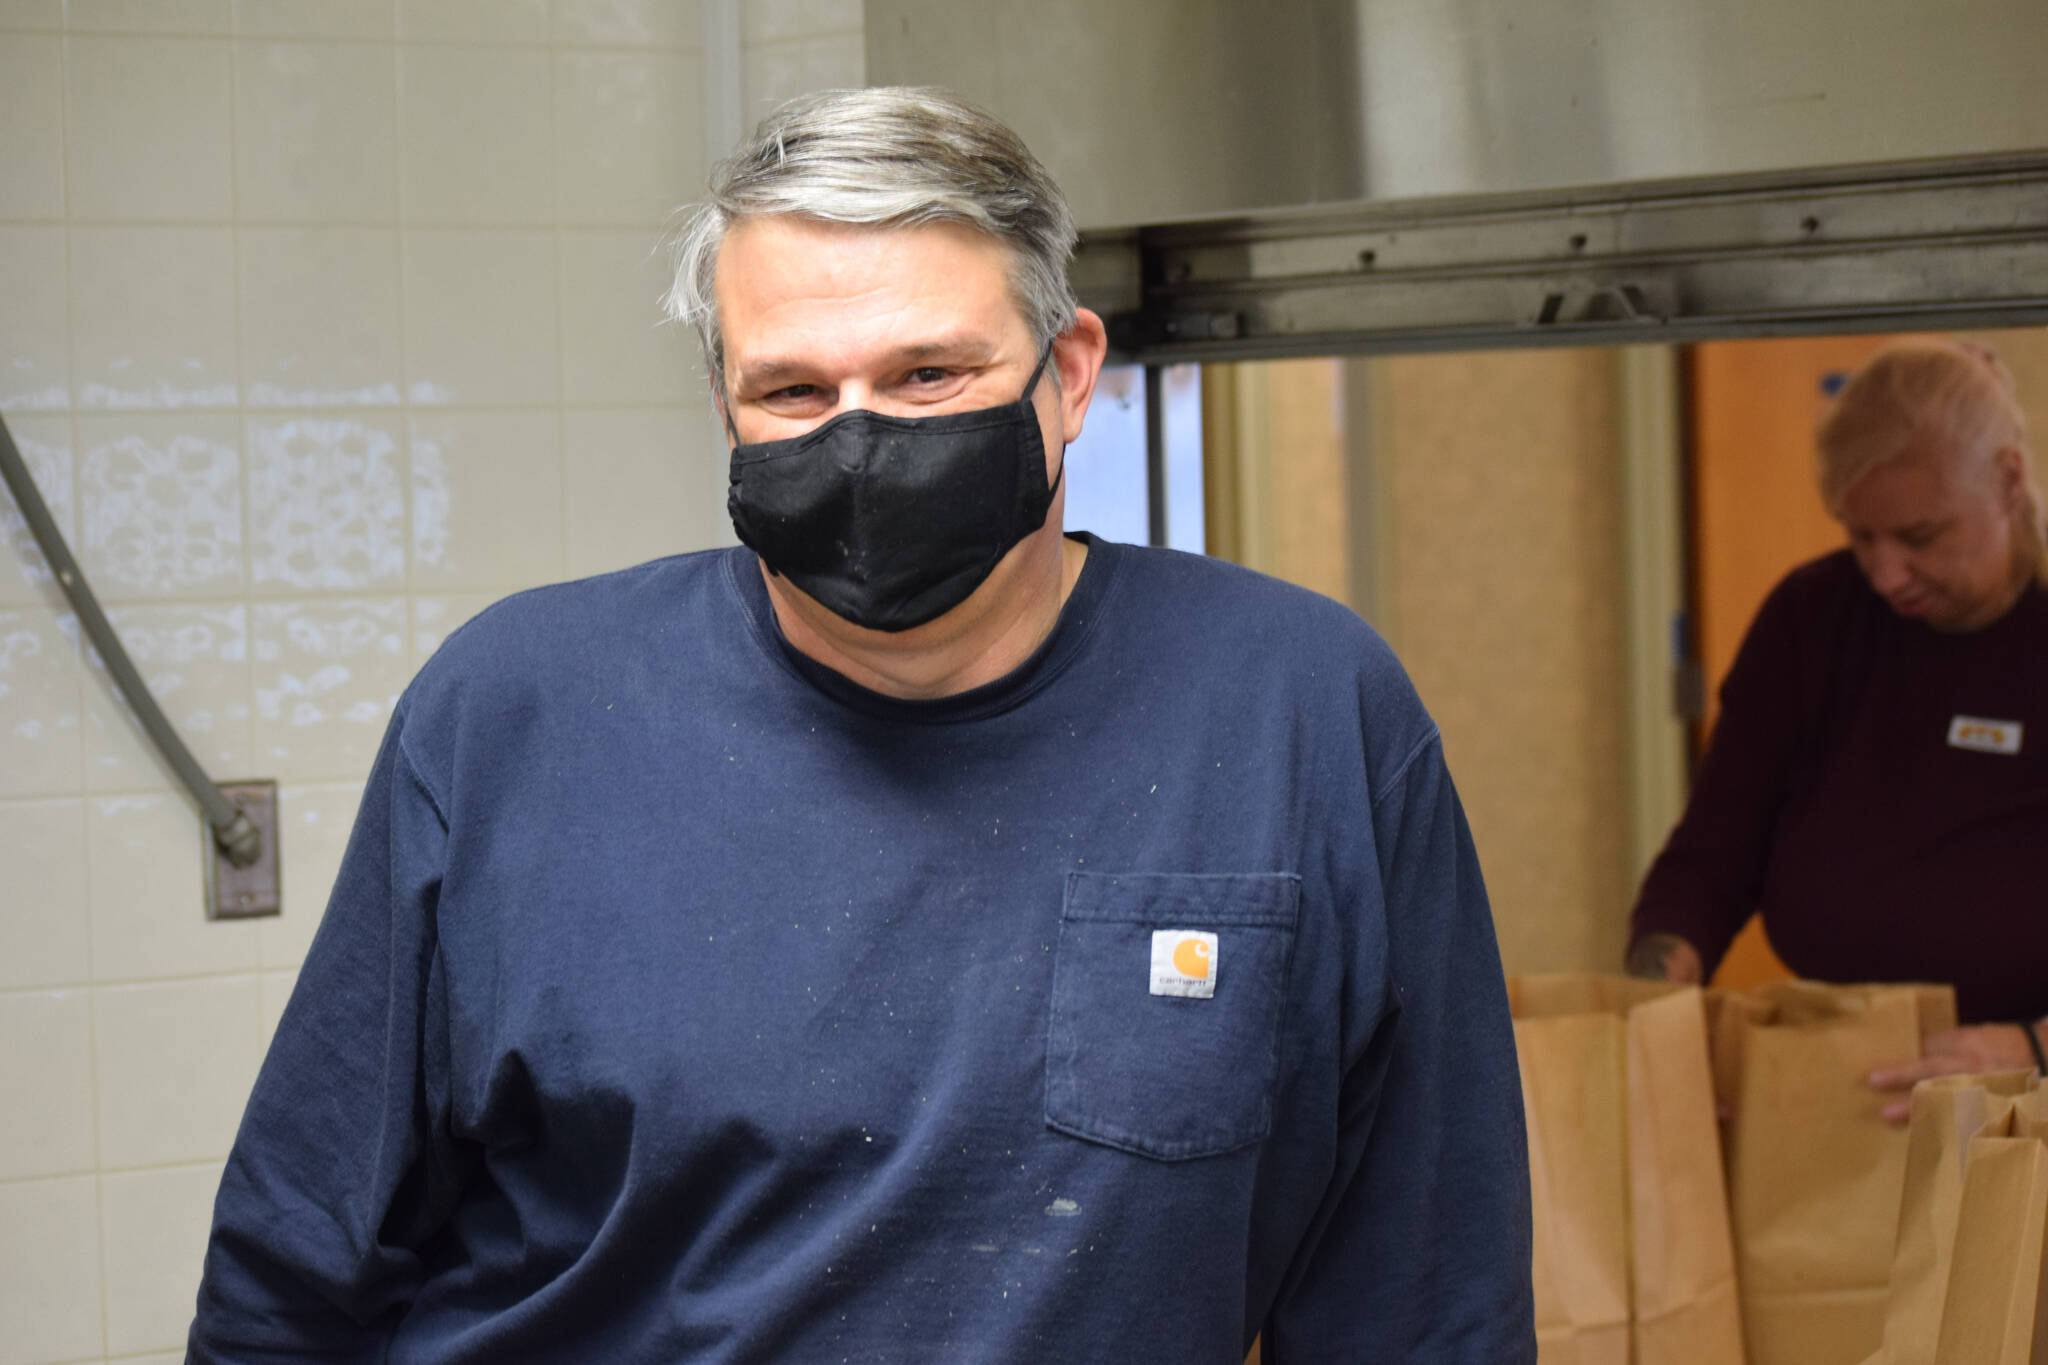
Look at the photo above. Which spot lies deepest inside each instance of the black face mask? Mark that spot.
(894, 521)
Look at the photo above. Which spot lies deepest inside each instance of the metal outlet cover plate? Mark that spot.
(245, 892)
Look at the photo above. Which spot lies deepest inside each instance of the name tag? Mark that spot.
(1985, 736)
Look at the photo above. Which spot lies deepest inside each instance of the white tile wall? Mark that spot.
(481, 323)
(195, 659)
(779, 69)
(627, 125)
(626, 23)
(316, 132)
(319, 316)
(149, 133)
(41, 691)
(486, 499)
(479, 21)
(327, 673)
(176, 1059)
(148, 16)
(46, 1126)
(49, 1271)
(154, 1226)
(45, 937)
(31, 15)
(327, 323)
(370, 19)
(35, 327)
(45, 446)
(326, 502)
(144, 890)
(662, 488)
(767, 21)
(160, 505)
(617, 347)
(153, 317)
(32, 125)
(477, 135)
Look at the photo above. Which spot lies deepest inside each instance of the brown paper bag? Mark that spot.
(1633, 1259)
(1948, 1112)
(1572, 1070)
(1815, 1174)
(1996, 1312)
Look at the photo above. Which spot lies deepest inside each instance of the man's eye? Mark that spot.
(929, 374)
(793, 393)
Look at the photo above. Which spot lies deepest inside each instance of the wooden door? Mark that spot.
(1755, 511)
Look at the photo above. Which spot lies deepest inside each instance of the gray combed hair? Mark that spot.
(887, 156)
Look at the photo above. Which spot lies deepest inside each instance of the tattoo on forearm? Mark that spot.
(1650, 955)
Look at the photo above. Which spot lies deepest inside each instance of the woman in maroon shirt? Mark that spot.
(1877, 784)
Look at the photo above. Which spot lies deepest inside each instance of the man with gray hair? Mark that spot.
(915, 934)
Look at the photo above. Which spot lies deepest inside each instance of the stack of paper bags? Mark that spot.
(1633, 1263)
(1815, 1174)
(1966, 1282)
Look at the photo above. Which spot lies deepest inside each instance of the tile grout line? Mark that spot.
(561, 413)
(547, 44)
(93, 1172)
(144, 982)
(408, 419)
(365, 224)
(92, 999)
(62, 608)
(244, 601)
(340, 410)
(143, 793)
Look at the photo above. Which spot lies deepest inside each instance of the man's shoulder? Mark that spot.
(539, 635)
(1172, 578)
(1268, 643)
(1220, 606)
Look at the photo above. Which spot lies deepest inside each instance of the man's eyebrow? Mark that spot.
(772, 372)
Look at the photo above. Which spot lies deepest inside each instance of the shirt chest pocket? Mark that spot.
(1167, 995)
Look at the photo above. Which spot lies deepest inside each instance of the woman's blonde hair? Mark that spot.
(1954, 393)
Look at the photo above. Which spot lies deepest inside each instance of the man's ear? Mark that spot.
(1078, 353)
(2009, 467)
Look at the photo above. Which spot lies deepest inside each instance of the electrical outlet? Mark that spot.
(253, 891)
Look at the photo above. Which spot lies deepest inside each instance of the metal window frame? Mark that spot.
(1956, 242)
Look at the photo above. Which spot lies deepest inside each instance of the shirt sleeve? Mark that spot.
(343, 1166)
(1709, 877)
(1421, 1252)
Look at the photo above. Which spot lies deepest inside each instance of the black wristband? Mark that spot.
(2034, 1042)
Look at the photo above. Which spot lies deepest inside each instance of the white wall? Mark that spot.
(322, 324)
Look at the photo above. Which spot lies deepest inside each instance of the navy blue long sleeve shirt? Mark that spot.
(680, 1000)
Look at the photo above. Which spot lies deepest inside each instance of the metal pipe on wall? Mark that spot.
(233, 831)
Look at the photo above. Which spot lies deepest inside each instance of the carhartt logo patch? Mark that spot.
(1183, 963)
(1985, 736)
